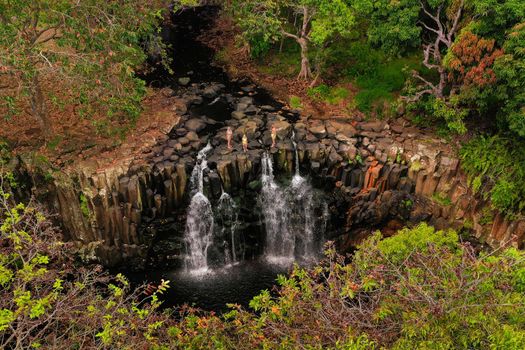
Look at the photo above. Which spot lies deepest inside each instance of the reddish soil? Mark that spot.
(76, 138)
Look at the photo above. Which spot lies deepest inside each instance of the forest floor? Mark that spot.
(78, 138)
(282, 84)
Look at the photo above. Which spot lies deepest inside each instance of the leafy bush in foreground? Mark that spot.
(419, 289)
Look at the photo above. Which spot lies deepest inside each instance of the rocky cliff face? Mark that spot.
(373, 170)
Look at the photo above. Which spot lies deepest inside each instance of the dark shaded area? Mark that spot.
(193, 60)
(190, 58)
(236, 284)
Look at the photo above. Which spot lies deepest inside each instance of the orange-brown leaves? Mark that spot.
(472, 60)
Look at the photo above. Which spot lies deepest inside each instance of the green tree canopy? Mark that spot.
(308, 22)
(77, 53)
(510, 70)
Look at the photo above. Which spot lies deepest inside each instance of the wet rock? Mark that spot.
(238, 115)
(318, 131)
(195, 125)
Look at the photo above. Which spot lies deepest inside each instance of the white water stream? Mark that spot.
(199, 220)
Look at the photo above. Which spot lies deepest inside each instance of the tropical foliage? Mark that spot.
(57, 55)
(307, 22)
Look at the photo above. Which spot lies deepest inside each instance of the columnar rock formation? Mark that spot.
(373, 169)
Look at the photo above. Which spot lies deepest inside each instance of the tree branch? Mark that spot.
(289, 35)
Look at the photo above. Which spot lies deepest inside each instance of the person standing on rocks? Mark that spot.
(245, 143)
(274, 135)
(229, 134)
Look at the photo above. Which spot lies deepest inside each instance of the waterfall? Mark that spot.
(228, 215)
(301, 193)
(290, 215)
(199, 219)
(280, 241)
(296, 155)
(196, 180)
(303, 216)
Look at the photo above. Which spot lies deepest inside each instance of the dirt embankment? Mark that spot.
(76, 139)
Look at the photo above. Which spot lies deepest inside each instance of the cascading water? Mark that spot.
(199, 220)
(280, 240)
(290, 216)
(303, 213)
(228, 216)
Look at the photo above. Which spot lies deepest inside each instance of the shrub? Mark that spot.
(331, 95)
(295, 102)
(500, 162)
(417, 289)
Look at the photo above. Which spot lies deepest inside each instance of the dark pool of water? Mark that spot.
(214, 289)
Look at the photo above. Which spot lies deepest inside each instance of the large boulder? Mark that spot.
(342, 127)
(195, 124)
(319, 131)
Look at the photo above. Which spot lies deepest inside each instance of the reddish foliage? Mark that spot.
(472, 61)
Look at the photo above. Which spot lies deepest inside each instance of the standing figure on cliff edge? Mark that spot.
(245, 143)
(274, 135)
(229, 134)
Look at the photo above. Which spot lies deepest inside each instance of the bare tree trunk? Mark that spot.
(302, 39)
(306, 71)
(39, 108)
(433, 59)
